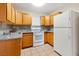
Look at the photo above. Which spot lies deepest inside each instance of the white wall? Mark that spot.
(36, 20)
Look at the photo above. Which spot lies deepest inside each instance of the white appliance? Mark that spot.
(38, 36)
(66, 33)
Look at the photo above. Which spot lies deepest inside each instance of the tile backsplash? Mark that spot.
(47, 28)
(24, 28)
(11, 28)
(4, 28)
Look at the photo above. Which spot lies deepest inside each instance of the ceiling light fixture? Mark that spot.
(38, 4)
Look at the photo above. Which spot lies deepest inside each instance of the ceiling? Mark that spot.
(47, 8)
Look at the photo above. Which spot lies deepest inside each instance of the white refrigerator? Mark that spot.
(66, 33)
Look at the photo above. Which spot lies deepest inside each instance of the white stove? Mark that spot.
(38, 37)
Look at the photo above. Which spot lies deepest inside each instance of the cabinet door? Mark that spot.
(18, 18)
(27, 40)
(47, 20)
(13, 47)
(50, 38)
(27, 19)
(13, 15)
(42, 20)
(3, 13)
(10, 47)
(51, 20)
(9, 7)
(45, 37)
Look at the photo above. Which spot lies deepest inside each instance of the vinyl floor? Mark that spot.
(45, 50)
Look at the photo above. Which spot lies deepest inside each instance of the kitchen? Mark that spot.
(27, 30)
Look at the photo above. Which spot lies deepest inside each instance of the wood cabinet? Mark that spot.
(18, 18)
(49, 38)
(27, 19)
(6, 13)
(10, 47)
(51, 20)
(48, 20)
(9, 10)
(45, 38)
(27, 40)
(13, 15)
(45, 20)
(42, 20)
(9, 15)
(3, 12)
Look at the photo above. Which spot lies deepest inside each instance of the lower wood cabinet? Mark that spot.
(45, 37)
(49, 38)
(10, 47)
(27, 40)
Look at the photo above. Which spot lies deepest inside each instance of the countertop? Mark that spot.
(16, 35)
(11, 36)
(48, 31)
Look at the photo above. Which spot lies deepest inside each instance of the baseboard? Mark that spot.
(57, 53)
(49, 44)
(27, 47)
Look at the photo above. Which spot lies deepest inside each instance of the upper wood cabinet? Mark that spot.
(6, 13)
(51, 20)
(48, 20)
(18, 18)
(9, 10)
(42, 20)
(3, 12)
(45, 20)
(13, 15)
(27, 19)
